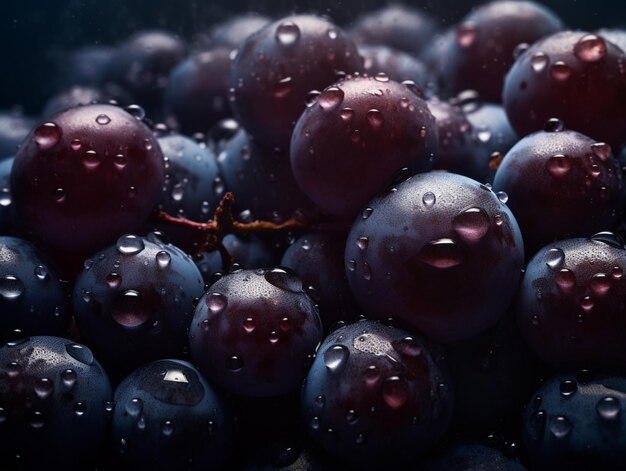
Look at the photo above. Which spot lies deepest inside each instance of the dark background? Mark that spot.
(34, 33)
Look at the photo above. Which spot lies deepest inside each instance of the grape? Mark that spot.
(352, 140)
(236, 29)
(279, 65)
(167, 416)
(14, 127)
(253, 331)
(133, 302)
(574, 76)
(86, 177)
(376, 394)
(32, 300)
(53, 396)
(428, 252)
(84, 95)
(397, 65)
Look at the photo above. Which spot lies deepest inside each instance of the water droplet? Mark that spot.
(372, 375)
(366, 213)
(11, 287)
(85, 295)
(537, 425)
(331, 98)
(472, 224)
(568, 388)
(554, 125)
(555, 258)
(59, 195)
(502, 196)
(167, 428)
(320, 401)
(69, 378)
(283, 87)
(287, 33)
(362, 243)
(381, 77)
(352, 417)
(539, 61)
(141, 423)
(47, 135)
(130, 244)
(41, 272)
(274, 337)
(375, 118)
(609, 238)
(137, 111)
(113, 280)
(129, 310)
(103, 119)
(586, 304)
(601, 150)
(559, 165)
(367, 271)
(560, 427)
(178, 191)
(560, 71)
(484, 135)
(80, 408)
(351, 265)
(441, 253)
(234, 363)
(617, 273)
(429, 199)
(335, 357)
(590, 48)
(395, 391)
(134, 407)
(163, 259)
(80, 353)
(147, 143)
(466, 34)
(311, 98)
(37, 420)
(315, 423)
(609, 408)
(44, 388)
(75, 144)
(119, 161)
(520, 49)
(408, 347)
(346, 114)
(565, 279)
(284, 279)
(600, 284)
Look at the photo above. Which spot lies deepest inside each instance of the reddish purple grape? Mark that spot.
(561, 184)
(571, 303)
(353, 139)
(279, 65)
(486, 40)
(429, 250)
(197, 90)
(574, 76)
(398, 26)
(376, 395)
(89, 175)
(253, 332)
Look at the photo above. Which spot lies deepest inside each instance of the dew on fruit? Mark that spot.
(395, 391)
(11, 287)
(216, 302)
(130, 244)
(445, 252)
(568, 388)
(609, 408)
(163, 259)
(69, 378)
(539, 61)
(336, 357)
(47, 135)
(555, 258)
(429, 199)
(284, 279)
(590, 48)
(560, 427)
(287, 33)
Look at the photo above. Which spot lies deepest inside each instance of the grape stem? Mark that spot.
(212, 233)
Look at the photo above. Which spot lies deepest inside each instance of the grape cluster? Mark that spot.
(287, 244)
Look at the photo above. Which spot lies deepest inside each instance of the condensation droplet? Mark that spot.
(11, 287)
(130, 244)
(441, 253)
(395, 392)
(466, 34)
(287, 33)
(560, 427)
(555, 258)
(429, 199)
(590, 48)
(559, 165)
(103, 119)
(163, 259)
(560, 71)
(472, 224)
(47, 135)
(539, 61)
(330, 98)
(234, 363)
(609, 408)
(335, 357)
(568, 388)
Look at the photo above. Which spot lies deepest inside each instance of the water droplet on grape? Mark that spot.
(539, 61)
(601, 150)
(129, 310)
(163, 259)
(555, 258)
(609, 408)
(47, 135)
(11, 287)
(287, 33)
(441, 253)
(568, 388)
(395, 391)
(80, 353)
(560, 427)
(234, 363)
(284, 279)
(559, 165)
(590, 48)
(335, 357)
(80, 408)
(283, 87)
(466, 34)
(560, 71)
(330, 98)
(375, 118)
(44, 388)
(103, 119)
(472, 225)
(565, 279)
(554, 125)
(69, 378)
(41, 272)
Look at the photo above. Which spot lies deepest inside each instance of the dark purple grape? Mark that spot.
(356, 136)
(193, 186)
(88, 176)
(397, 65)
(236, 29)
(470, 457)
(32, 300)
(428, 252)
(86, 65)
(247, 251)
(376, 395)
(291, 454)
(435, 54)
(167, 416)
(561, 184)
(196, 95)
(574, 76)
(571, 303)
(261, 180)
(14, 127)
(254, 331)
(84, 95)
(133, 302)
(221, 134)
(53, 400)
(279, 65)
(317, 258)
(398, 26)
(142, 63)
(576, 423)
(486, 41)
